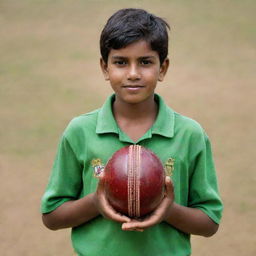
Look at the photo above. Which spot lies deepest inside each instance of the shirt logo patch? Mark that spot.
(169, 166)
(97, 166)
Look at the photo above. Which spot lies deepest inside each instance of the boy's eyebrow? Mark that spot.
(141, 57)
(117, 57)
(147, 57)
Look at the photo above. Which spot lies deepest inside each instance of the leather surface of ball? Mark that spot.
(134, 181)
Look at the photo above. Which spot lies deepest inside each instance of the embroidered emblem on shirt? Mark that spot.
(98, 167)
(169, 166)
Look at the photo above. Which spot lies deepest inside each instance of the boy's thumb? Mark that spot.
(169, 186)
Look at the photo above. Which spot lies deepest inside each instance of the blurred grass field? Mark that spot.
(49, 73)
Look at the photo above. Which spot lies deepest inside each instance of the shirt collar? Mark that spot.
(164, 124)
(106, 122)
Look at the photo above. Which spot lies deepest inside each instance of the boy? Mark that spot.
(134, 48)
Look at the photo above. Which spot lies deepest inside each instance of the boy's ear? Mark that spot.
(104, 68)
(163, 69)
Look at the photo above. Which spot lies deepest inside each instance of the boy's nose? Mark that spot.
(133, 73)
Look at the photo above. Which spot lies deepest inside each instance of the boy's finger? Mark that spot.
(169, 187)
(140, 225)
(118, 218)
(101, 179)
(110, 213)
(101, 183)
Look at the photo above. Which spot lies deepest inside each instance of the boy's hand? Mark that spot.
(103, 206)
(160, 214)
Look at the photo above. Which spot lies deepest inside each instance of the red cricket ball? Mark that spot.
(134, 181)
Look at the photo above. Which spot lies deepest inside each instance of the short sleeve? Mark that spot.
(65, 180)
(203, 191)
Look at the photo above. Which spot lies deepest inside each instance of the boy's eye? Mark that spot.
(146, 62)
(120, 62)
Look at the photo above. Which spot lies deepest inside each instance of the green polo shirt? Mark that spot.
(91, 139)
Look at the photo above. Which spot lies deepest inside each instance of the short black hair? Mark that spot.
(129, 25)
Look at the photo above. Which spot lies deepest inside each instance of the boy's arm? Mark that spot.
(191, 220)
(186, 219)
(76, 212)
(71, 214)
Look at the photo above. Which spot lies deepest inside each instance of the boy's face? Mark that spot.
(133, 71)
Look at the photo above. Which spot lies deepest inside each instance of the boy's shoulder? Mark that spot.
(190, 132)
(188, 125)
(83, 122)
(84, 118)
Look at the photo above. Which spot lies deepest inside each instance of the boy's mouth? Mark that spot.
(133, 87)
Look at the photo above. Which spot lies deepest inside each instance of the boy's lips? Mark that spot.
(133, 87)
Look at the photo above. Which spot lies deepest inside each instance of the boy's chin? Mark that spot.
(136, 99)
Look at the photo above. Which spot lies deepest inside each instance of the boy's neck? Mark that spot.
(135, 119)
(144, 110)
